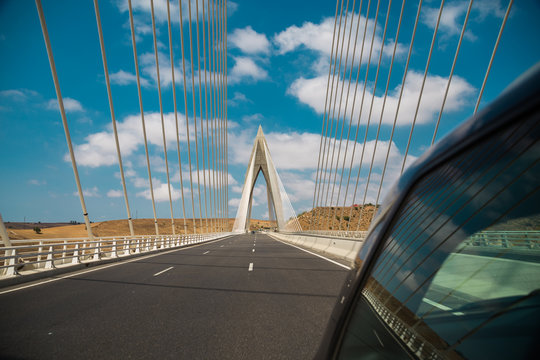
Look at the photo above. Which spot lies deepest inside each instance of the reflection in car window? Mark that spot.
(459, 272)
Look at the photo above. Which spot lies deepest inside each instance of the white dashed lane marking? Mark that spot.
(161, 272)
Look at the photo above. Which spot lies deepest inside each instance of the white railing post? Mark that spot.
(127, 246)
(64, 250)
(40, 250)
(49, 264)
(12, 262)
(114, 252)
(138, 246)
(97, 250)
(76, 259)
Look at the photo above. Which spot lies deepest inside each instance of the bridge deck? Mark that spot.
(209, 305)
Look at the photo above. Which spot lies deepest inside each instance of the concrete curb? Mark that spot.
(341, 248)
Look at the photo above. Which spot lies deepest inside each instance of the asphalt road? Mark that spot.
(244, 297)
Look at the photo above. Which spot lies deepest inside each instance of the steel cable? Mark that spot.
(132, 27)
(113, 117)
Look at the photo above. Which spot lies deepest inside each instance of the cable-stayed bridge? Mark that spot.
(207, 286)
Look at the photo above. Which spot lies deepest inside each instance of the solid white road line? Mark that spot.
(250, 267)
(206, 252)
(312, 253)
(162, 271)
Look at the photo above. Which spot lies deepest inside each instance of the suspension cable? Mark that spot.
(371, 109)
(201, 112)
(210, 184)
(176, 114)
(63, 115)
(452, 71)
(226, 121)
(339, 114)
(493, 55)
(195, 117)
(134, 43)
(324, 114)
(326, 184)
(399, 100)
(362, 107)
(353, 106)
(161, 113)
(422, 86)
(328, 123)
(113, 118)
(345, 114)
(187, 117)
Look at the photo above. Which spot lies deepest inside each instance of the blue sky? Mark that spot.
(278, 66)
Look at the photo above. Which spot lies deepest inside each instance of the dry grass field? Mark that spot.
(115, 228)
(328, 218)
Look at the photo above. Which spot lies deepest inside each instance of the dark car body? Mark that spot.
(451, 265)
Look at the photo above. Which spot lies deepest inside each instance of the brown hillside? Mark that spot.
(337, 218)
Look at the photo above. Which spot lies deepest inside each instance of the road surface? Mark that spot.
(243, 297)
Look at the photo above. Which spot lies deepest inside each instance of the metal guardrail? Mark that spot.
(506, 239)
(414, 341)
(338, 233)
(50, 253)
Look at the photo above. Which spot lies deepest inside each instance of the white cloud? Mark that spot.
(17, 95)
(487, 8)
(161, 193)
(245, 68)
(70, 105)
(160, 9)
(92, 192)
(234, 202)
(99, 148)
(122, 77)
(37, 182)
(209, 174)
(148, 67)
(318, 38)
(114, 193)
(304, 146)
(237, 98)
(253, 118)
(249, 41)
(232, 7)
(312, 92)
(451, 20)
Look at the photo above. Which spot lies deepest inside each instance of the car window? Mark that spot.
(459, 272)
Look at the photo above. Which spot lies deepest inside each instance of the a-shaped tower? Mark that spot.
(260, 161)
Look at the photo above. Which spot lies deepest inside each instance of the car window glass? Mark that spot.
(460, 264)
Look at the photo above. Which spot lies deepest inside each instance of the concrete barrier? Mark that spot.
(342, 248)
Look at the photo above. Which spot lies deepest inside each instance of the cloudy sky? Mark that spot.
(278, 60)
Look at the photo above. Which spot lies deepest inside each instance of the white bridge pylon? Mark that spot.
(261, 161)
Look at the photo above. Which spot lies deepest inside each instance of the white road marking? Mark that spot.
(206, 252)
(161, 272)
(441, 306)
(252, 250)
(221, 246)
(250, 267)
(312, 253)
(101, 267)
